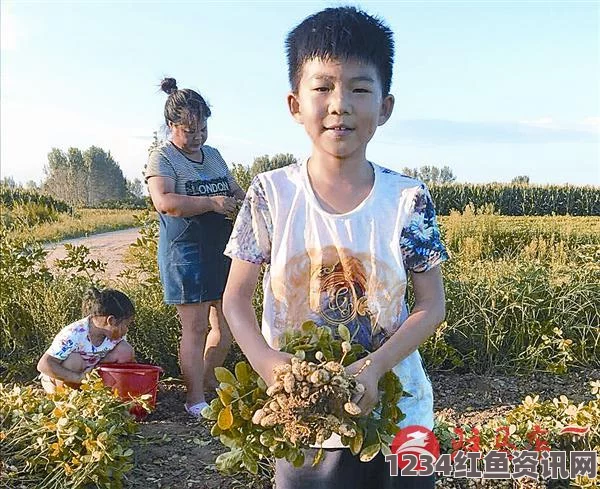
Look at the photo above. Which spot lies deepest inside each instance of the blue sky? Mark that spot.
(491, 89)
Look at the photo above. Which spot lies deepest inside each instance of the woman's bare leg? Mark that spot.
(194, 323)
(217, 346)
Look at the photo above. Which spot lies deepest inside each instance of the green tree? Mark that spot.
(410, 172)
(447, 175)
(265, 163)
(84, 178)
(58, 181)
(9, 182)
(243, 174)
(77, 176)
(135, 189)
(32, 185)
(156, 141)
(431, 174)
(105, 178)
(521, 180)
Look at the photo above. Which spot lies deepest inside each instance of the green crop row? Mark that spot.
(10, 197)
(518, 200)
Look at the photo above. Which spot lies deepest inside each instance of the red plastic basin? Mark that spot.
(130, 380)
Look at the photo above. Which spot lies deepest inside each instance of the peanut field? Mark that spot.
(523, 318)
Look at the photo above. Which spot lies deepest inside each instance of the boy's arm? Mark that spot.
(52, 367)
(240, 315)
(429, 311)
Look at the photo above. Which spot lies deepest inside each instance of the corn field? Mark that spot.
(518, 200)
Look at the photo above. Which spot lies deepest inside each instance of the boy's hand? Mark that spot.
(369, 378)
(269, 362)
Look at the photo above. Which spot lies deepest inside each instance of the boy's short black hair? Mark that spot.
(341, 33)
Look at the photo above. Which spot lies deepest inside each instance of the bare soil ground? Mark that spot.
(176, 451)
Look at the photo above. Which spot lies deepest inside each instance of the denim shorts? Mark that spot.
(190, 257)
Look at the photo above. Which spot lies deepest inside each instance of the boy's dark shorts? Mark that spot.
(340, 469)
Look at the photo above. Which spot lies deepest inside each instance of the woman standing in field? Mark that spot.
(193, 192)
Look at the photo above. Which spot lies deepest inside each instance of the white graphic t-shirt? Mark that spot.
(347, 268)
(74, 338)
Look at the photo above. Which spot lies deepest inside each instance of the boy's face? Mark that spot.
(340, 104)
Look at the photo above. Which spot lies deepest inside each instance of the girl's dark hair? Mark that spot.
(341, 34)
(107, 302)
(183, 106)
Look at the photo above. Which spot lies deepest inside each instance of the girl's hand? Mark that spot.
(369, 378)
(223, 204)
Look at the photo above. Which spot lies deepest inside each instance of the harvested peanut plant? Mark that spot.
(311, 400)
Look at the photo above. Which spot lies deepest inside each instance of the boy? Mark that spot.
(338, 234)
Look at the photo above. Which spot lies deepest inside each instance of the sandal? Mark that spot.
(196, 410)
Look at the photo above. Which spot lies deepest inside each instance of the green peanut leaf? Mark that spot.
(357, 442)
(250, 463)
(224, 375)
(308, 327)
(215, 430)
(229, 462)
(298, 459)
(242, 373)
(245, 411)
(261, 384)
(210, 413)
(385, 449)
(368, 453)
(344, 332)
(267, 438)
(224, 396)
(229, 441)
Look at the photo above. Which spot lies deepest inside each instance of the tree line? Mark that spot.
(92, 178)
(89, 178)
(244, 174)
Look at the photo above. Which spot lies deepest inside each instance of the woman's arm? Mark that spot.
(166, 201)
(240, 315)
(52, 367)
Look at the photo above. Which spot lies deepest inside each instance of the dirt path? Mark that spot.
(107, 247)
